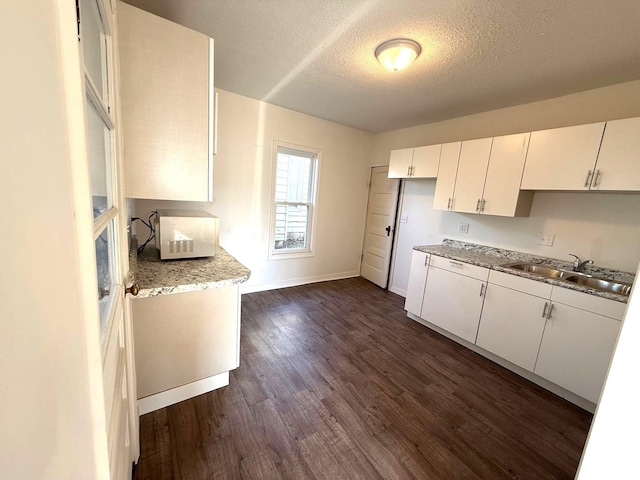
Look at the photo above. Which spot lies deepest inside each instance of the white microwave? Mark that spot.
(186, 234)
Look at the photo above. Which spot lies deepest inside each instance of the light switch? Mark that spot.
(546, 239)
(404, 218)
(463, 228)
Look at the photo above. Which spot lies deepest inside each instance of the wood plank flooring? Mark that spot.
(335, 382)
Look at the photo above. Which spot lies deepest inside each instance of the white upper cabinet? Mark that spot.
(472, 169)
(618, 166)
(448, 168)
(562, 158)
(400, 163)
(167, 108)
(502, 195)
(418, 162)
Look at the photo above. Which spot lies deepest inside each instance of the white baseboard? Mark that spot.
(399, 291)
(244, 288)
(178, 394)
(532, 377)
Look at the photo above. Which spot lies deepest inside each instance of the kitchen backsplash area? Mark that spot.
(599, 226)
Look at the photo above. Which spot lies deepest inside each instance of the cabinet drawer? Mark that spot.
(462, 268)
(525, 285)
(590, 303)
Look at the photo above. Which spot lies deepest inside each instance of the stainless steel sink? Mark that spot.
(578, 278)
(542, 270)
(601, 284)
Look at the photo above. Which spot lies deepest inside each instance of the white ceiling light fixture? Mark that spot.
(397, 54)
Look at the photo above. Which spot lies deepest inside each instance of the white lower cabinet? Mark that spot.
(417, 281)
(576, 349)
(453, 301)
(514, 337)
(564, 336)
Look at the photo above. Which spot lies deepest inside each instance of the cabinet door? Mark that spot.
(400, 163)
(425, 161)
(502, 186)
(618, 166)
(167, 108)
(453, 302)
(511, 325)
(447, 170)
(417, 281)
(472, 169)
(576, 350)
(562, 158)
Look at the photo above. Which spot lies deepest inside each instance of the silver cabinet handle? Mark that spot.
(481, 289)
(484, 202)
(449, 204)
(426, 260)
(544, 310)
(595, 180)
(408, 170)
(478, 206)
(587, 181)
(458, 264)
(551, 307)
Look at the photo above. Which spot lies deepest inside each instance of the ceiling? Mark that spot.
(316, 56)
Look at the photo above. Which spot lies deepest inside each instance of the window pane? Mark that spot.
(106, 276)
(98, 144)
(291, 227)
(94, 46)
(293, 178)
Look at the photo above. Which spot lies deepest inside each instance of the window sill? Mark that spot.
(289, 255)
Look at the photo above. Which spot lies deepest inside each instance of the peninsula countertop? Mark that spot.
(164, 277)
(496, 258)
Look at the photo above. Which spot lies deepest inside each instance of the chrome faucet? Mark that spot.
(578, 265)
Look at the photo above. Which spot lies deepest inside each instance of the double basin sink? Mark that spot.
(577, 278)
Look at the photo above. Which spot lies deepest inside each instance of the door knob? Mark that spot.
(388, 229)
(133, 289)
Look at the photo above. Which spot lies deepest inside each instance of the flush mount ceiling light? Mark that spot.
(397, 54)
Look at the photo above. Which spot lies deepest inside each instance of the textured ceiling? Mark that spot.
(316, 56)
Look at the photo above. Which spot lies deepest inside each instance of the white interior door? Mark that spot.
(98, 44)
(378, 233)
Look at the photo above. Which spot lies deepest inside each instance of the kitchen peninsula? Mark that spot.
(186, 322)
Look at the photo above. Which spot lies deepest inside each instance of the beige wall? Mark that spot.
(604, 227)
(242, 190)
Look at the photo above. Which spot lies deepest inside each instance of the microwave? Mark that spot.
(186, 234)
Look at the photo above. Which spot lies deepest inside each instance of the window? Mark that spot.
(295, 180)
(95, 40)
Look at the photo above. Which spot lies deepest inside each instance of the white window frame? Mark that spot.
(309, 251)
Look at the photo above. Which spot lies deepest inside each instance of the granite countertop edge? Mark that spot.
(165, 277)
(496, 258)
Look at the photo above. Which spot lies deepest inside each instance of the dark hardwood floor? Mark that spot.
(335, 382)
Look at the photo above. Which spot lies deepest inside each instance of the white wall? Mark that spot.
(242, 191)
(51, 402)
(600, 226)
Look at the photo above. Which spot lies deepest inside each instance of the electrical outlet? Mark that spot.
(463, 228)
(404, 218)
(546, 239)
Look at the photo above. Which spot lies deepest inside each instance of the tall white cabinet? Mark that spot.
(167, 108)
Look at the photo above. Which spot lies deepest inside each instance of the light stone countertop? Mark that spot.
(496, 258)
(164, 277)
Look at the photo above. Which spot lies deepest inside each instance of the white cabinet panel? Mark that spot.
(562, 158)
(417, 281)
(185, 337)
(167, 108)
(576, 350)
(425, 161)
(447, 170)
(400, 163)
(512, 324)
(472, 170)
(453, 302)
(502, 195)
(618, 166)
